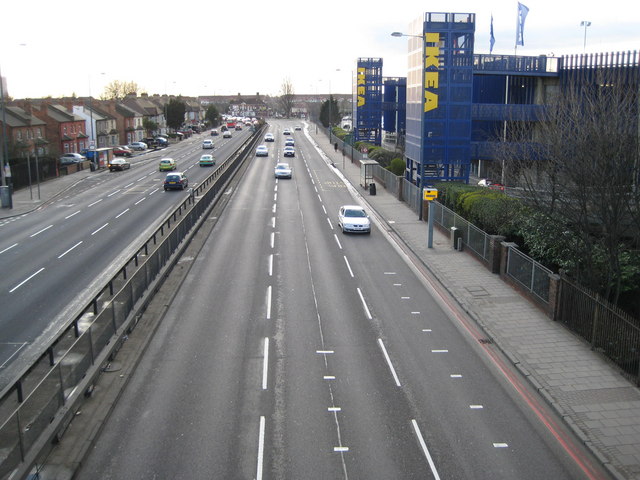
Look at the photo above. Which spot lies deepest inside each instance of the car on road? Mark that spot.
(282, 170)
(207, 144)
(167, 164)
(289, 152)
(207, 160)
(262, 151)
(119, 164)
(269, 137)
(289, 142)
(297, 127)
(214, 132)
(122, 151)
(226, 134)
(175, 181)
(353, 218)
(286, 131)
(138, 146)
(69, 158)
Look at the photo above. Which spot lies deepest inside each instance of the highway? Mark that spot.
(293, 351)
(50, 256)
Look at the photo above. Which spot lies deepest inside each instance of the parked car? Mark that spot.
(289, 152)
(122, 151)
(226, 134)
(207, 161)
(269, 137)
(138, 146)
(119, 164)
(69, 158)
(167, 164)
(283, 170)
(353, 218)
(262, 151)
(207, 144)
(175, 181)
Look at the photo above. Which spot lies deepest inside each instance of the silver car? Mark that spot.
(353, 218)
(282, 170)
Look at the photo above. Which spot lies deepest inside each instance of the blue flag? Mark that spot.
(523, 10)
(492, 39)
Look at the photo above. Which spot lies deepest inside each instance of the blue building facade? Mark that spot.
(368, 101)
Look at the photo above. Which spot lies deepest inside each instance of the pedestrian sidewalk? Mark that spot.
(597, 403)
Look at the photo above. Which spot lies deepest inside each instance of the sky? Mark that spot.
(253, 46)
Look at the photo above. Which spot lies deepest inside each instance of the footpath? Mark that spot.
(593, 398)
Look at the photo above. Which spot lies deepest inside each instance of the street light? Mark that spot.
(585, 24)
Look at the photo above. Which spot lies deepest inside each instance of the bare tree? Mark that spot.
(118, 90)
(286, 97)
(578, 167)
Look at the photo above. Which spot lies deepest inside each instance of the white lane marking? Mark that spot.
(72, 215)
(340, 449)
(273, 222)
(364, 304)
(405, 298)
(500, 445)
(140, 201)
(329, 377)
(455, 375)
(76, 245)
(260, 449)
(94, 203)
(271, 265)
(440, 351)
(425, 450)
(122, 213)
(141, 178)
(273, 209)
(324, 352)
(126, 186)
(275, 197)
(397, 284)
(269, 302)
(348, 266)
(273, 239)
(476, 407)
(324, 209)
(265, 363)
(154, 191)
(40, 231)
(389, 273)
(415, 313)
(426, 330)
(337, 241)
(103, 226)
(113, 193)
(9, 248)
(329, 222)
(25, 280)
(386, 356)
(320, 198)
(334, 409)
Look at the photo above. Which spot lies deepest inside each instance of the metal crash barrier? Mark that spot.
(43, 392)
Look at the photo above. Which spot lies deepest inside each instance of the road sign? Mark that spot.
(429, 193)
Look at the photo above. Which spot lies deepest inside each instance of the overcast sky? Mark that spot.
(251, 46)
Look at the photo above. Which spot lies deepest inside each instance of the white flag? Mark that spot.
(523, 10)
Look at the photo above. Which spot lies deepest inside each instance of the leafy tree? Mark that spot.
(578, 168)
(176, 109)
(397, 166)
(118, 90)
(287, 97)
(149, 126)
(212, 115)
(329, 112)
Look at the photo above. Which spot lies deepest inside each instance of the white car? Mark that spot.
(262, 151)
(269, 137)
(69, 158)
(226, 134)
(353, 218)
(207, 144)
(289, 152)
(140, 146)
(282, 170)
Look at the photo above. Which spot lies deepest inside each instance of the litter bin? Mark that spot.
(372, 189)
(5, 196)
(456, 238)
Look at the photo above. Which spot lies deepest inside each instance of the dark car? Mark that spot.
(175, 181)
(119, 164)
(122, 151)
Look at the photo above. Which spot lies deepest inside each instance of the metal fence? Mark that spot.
(31, 404)
(608, 329)
(388, 179)
(531, 275)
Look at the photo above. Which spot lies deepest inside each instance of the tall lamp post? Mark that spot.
(585, 24)
(421, 175)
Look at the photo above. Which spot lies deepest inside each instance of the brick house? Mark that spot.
(27, 134)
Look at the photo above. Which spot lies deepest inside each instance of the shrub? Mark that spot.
(397, 166)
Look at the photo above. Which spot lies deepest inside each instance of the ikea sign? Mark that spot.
(431, 67)
(361, 88)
